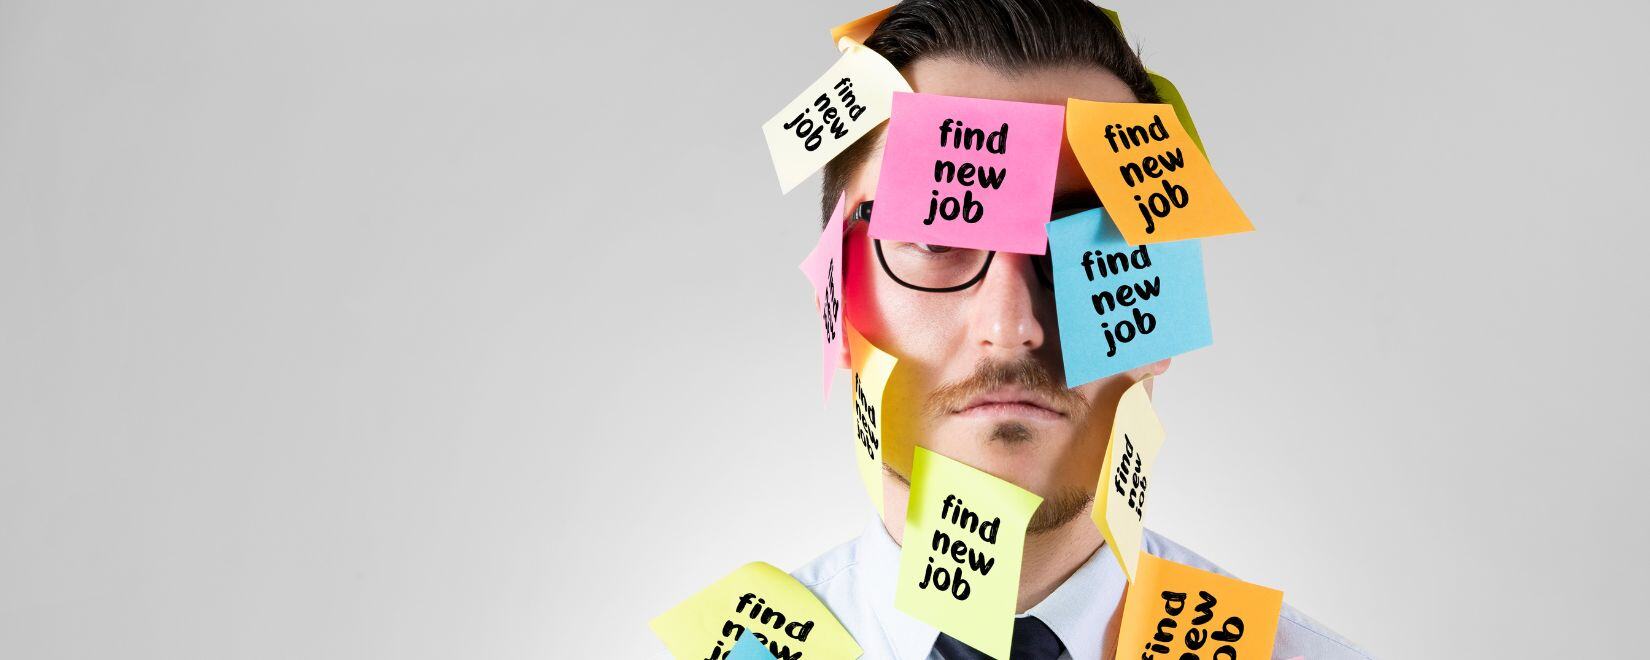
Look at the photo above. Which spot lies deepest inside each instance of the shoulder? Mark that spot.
(835, 566)
(1298, 634)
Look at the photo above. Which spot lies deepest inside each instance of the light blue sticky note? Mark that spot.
(1122, 306)
(749, 648)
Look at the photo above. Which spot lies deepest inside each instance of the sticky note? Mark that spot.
(850, 99)
(823, 268)
(969, 173)
(1173, 609)
(1171, 95)
(749, 648)
(1121, 306)
(860, 28)
(959, 565)
(1120, 507)
(760, 600)
(871, 368)
(1149, 173)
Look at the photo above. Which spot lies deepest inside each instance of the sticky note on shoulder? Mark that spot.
(1123, 306)
(1120, 510)
(1149, 172)
(959, 567)
(823, 268)
(968, 173)
(871, 368)
(757, 601)
(1173, 609)
(850, 99)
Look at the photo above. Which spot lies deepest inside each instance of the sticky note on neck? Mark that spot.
(1120, 507)
(859, 29)
(1123, 306)
(870, 368)
(959, 567)
(757, 601)
(968, 173)
(823, 268)
(1173, 609)
(1149, 173)
(853, 97)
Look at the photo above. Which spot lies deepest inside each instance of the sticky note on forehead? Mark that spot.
(968, 173)
(871, 368)
(853, 97)
(1122, 306)
(1173, 609)
(756, 600)
(1120, 508)
(1149, 173)
(960, 560)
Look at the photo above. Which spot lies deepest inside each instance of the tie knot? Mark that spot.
(1033, 640)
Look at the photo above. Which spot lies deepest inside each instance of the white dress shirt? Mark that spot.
(856, 581)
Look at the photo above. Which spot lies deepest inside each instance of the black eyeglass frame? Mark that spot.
(1040, 262)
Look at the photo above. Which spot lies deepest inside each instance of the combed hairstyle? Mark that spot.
(1007, 35)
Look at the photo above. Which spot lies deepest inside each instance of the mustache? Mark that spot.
(1025, 373)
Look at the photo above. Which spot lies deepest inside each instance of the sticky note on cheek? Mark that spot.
(1149, 173)
(968, 173)
(1120, 510)
(1172, 609)
(760, 602)
(1121, 306)
(871, 368)
(853, 97)
(960, 560)
(823, 268)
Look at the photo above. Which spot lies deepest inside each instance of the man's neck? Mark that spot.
(1050, 557)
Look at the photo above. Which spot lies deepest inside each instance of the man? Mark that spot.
(980, 352)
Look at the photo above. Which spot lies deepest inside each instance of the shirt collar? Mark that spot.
(1078, 611)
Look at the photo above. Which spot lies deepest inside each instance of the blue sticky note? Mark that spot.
(1122, 306)
(748, 648)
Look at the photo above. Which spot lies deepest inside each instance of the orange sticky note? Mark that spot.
(1173, 609)
(1149, 173)
(859, 28)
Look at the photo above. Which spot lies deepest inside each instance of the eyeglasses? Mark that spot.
(938, 268)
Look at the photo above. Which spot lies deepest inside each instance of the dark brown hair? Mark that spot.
(1007, 35)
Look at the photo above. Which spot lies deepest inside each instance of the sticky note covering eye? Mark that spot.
(823, 268)
(853, 97)
(757, 600)
(871, 368)
(960, 560)
(1121, 306)
(969, 173)
(1149, 173)
(1173, 609)
(1120, 509)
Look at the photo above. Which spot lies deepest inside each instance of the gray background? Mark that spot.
(473, 330)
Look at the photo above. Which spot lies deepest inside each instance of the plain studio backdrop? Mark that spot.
(474, 329)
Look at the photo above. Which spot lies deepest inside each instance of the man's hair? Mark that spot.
(1008, 35)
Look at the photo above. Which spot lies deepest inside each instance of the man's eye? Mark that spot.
(932, 249)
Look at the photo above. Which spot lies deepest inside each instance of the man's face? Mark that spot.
(981, 367)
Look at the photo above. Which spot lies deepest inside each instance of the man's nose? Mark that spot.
(1003, 318)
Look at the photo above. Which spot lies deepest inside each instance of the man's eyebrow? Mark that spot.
(1076, 200)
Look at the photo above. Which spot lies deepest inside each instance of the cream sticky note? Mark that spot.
(959, 567)
(853, 97)
(1173, 609)
(860, 28)
(760, 600)
(1149, 174)
(823, 268)
(870, 368)
(1120, 497)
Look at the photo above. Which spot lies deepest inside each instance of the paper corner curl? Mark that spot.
(860, 28)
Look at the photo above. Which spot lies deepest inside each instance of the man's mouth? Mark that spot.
(1012, 402)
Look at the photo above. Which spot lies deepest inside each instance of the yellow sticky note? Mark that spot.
(860, 28)
(870, 371)
(853, 97)
(1149, 174)
(1120, 506)
(763, 601)
(959, 567)
(1173, 609)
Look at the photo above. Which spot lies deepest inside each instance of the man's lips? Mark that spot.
(1011, 402)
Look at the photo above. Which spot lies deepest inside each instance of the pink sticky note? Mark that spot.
(970, 173)
(823, 267)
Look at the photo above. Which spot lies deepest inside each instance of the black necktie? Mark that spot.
(1032, 641)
